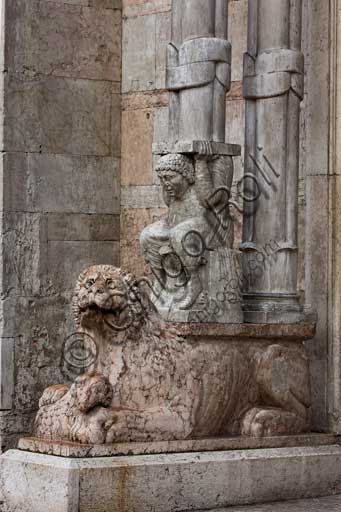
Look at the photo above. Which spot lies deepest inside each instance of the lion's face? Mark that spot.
(102, 289)
(104, 292)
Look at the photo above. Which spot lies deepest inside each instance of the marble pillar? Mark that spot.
(273, 89)
(198, 71)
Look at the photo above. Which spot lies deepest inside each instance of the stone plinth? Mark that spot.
(325, 504)
(249, 332)
(167, 483)
(77, 450)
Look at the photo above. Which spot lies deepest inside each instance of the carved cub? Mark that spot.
(79, 413)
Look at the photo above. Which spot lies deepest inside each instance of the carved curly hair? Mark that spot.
(177, 163)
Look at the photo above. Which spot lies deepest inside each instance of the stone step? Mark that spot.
(327, 504)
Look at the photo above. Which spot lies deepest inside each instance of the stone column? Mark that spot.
(273, 88)
(199, 61)
(198, 76)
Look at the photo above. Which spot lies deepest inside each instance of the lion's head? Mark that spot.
(107, 294)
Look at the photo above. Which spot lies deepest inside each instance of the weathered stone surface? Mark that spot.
(134, 218)
(237, 33)
(39, 326)
(106, 4)
(316, 107)
(142, 197)
(162, 36)
(6, 373)
(316, 289)
(160, 124)
(334, 382)
(137, 138)
(235, 120)
(139, 50)
(284, 332)
(66, 226)
(75, 181)
(62, 475)
(62, 133)
(23, 264)
(327, 504)
(65, 40)
(66, 259)
(144, 50)
(73, 2)
(77, 450)
(80, 109)
(146, 99)
(133, 8)
(167, 482)
(116, 124)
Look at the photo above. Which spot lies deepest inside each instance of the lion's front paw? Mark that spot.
(126, 427)
(266, 422)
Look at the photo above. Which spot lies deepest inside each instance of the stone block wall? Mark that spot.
(60, 194)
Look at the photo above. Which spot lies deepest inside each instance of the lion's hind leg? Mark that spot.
(284, 390)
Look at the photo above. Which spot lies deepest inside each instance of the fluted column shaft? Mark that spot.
(273, 88)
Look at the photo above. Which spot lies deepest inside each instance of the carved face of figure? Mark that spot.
(174, 184)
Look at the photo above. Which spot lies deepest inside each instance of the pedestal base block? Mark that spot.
(168, 482)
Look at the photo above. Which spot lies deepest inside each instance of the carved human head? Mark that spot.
(176, 173)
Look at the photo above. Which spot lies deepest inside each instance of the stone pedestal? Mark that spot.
(166, 483)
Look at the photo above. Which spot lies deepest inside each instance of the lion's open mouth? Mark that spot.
(104, 311)
(117, 319)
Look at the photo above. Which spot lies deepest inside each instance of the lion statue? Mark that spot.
(167, 387)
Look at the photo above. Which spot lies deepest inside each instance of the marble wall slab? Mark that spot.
(60, 194)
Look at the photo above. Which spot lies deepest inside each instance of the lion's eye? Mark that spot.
(89, 283)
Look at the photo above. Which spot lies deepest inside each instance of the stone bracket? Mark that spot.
(197, 147)
(6, 373)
